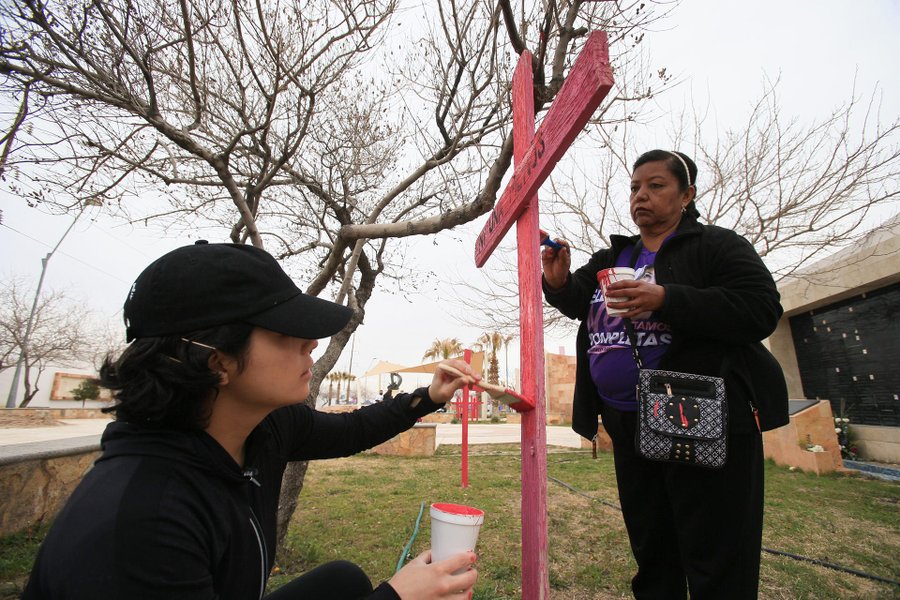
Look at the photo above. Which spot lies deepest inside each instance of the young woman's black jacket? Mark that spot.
(721, 302)
(168, 515)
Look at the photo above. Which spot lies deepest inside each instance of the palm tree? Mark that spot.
(332, 377)
(493, 341)
(339, 376)
(443, 349)
(348, 377)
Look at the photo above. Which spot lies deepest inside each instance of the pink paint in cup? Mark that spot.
(606, 277)
(454, 529)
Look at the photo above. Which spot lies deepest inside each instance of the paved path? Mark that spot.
(81, 435)
(557, 435)
(70, 428)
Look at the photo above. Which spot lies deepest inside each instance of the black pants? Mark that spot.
(690, 527)
(338, 580)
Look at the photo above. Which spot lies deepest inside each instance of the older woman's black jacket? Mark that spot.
(721, 302)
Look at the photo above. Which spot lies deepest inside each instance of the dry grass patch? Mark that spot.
(831, 518)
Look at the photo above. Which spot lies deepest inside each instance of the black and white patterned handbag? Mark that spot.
(682, 417)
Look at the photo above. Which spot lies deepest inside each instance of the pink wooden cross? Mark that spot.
(535, 154)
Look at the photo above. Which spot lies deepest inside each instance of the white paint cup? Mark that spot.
(454, 529)
(612, 275)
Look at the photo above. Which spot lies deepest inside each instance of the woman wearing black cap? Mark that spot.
(700, 303)
(209, 410)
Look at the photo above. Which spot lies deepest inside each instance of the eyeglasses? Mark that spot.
(196, 343)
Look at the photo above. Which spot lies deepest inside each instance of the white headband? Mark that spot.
(683, 164)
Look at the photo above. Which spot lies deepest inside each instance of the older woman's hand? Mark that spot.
(556, 264)
(636, 297)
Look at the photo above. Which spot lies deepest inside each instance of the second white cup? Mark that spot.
(454, 529)
(610, 276)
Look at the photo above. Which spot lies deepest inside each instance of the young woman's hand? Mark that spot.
(421, 579)
(556, 264)
(443, 384)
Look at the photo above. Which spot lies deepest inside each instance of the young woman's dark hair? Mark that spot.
(166, 381)
(677, 168)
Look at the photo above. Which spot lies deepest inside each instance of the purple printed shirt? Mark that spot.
(612, 365)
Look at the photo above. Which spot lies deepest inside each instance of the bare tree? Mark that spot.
(299, 126)
(796, 189)
(58, 335)
(106, 340)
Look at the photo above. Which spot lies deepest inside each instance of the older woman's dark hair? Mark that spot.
(676, 167)
(166, 381)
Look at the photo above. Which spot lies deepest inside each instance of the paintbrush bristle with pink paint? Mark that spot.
(511, 398)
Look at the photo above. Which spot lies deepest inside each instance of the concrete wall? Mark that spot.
(46, 384)
(880, 444)
(871, 264)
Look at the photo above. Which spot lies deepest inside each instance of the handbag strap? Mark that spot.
(629, 328)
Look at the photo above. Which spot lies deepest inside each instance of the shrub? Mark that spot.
(88, 390)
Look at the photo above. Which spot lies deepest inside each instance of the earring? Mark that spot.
(683, 209)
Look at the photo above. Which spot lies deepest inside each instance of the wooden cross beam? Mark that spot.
(535, 155)
(585, 87)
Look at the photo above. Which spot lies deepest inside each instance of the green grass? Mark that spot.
(364, 508)
(17, 552)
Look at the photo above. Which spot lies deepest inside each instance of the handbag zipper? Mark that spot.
(656, 404)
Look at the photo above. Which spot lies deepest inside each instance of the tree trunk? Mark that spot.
(291, 486)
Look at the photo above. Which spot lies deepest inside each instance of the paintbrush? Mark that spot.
(511, 398)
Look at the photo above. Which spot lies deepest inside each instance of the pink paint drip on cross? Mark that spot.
(535, 156)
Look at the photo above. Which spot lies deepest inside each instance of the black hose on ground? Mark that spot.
(815, 561)
(822, 563)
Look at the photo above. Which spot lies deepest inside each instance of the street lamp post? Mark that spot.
(23, 348)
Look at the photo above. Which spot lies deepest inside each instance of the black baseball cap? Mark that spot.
(207, 285)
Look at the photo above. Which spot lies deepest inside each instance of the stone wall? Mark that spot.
(559, 378)
(811, 426)
(57, 413)
(445, 417)
(421, 440)
(35, 487)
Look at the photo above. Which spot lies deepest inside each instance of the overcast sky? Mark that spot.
(723, 49)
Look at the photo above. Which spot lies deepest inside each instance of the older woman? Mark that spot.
(702, 304)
